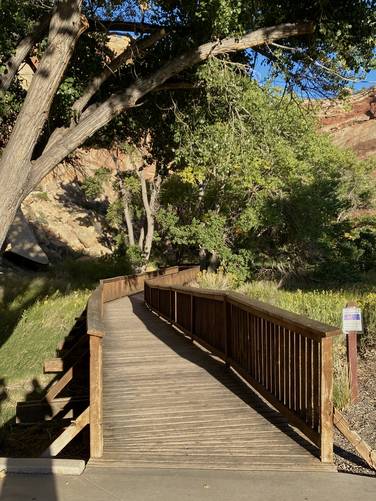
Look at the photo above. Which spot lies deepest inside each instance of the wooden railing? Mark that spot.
(286, 357)
(108, 290)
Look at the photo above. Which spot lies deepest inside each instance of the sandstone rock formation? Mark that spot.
(22, 242)
(352, 122)
(62, 219)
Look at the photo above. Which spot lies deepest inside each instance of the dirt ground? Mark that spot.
(362, 419)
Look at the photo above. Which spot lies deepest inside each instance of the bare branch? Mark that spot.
(22, 50)
(31, 64)
(134, 49)
(176, 86)
(317, 63)
(127, 26)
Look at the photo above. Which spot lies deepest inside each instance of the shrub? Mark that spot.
(86, 272)
(219, 280)
(367, 303)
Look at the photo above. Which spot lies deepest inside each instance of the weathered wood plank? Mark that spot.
(170, 403)
(68, 434)
(341, 423)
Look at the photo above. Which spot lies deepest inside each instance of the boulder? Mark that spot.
(22, 242)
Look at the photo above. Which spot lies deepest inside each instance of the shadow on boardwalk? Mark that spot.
(182, 346)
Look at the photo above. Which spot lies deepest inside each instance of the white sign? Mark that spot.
(352, 319)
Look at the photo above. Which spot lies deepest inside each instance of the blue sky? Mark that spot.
(261, 74)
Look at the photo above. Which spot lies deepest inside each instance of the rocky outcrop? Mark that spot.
(64, 221)
(21, 241)
(352, 122)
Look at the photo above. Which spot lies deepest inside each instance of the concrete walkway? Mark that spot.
(183, 485)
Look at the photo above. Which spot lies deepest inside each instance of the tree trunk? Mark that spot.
(15, 165)
(125, 195)
(18, 174)
(141, 240)
(203, 259)
(213, 262)
(150, 211)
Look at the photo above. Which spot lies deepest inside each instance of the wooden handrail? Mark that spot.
(286, 357)
(109, 289)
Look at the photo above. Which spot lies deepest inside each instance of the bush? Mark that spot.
(219, 280)
(367, 303)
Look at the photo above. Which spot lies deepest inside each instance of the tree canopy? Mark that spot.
(80, 87)
(259, 187)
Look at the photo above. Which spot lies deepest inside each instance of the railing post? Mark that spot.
(176, 307)
(96, 408)
(226, 327)
(192, 315)
(326, 404)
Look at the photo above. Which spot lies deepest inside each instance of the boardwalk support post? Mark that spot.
(96, 407)
(326, 407)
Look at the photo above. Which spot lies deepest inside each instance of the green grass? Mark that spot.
(37, 311)
(38, 332)
(322, 304)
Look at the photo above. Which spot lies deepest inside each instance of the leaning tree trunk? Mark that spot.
(19, 175)
(151, 207)
(126, 199)
(16, 162)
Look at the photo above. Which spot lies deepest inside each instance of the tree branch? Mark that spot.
(134, 49)
(126, 26)
(118, 103)
(176, 86)
(22, 50)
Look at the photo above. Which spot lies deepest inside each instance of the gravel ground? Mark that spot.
(362, 419)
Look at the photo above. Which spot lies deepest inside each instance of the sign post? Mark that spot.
(352, 324)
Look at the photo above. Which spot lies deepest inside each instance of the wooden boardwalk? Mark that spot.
(170, 404)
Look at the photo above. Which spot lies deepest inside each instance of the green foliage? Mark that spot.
(135, 257)
(86, 272)
(93, 186)
(114, 214)
(342, 43)
(257, 185)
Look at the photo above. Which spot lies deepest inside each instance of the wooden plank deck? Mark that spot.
(168, 403)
